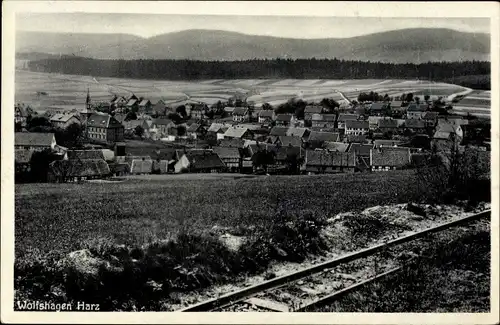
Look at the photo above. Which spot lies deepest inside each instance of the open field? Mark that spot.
(62, 216)
(70, 90)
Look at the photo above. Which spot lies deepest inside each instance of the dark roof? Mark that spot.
(161, 121)
(232, 142)
(387, 143)
(33, 139)
(234, 132)
(227, 152)
(85, 154)
(348, 117)
(430, 115)
(103, 120)
(387, 123)
(120, 117)
(119, 167)
(336, 146)
(297, 132)
(351, 138)
(442, 135)
(23, 156)
(323, 136)
(240, 111)
(414, 107)
(62, 117)
(193, 127)
(414, 124)
(284, 117)
(326, 117)
(266, 113)
(389, 156)
(132, 124)
(278, 131)
(361, 149)
(139, 166)
(282, 153)
(79, 168)
(329, 158)
(357, 124)
(294, 141)
(144, 102)
(204, 160)
(378, 106)
(313, 109)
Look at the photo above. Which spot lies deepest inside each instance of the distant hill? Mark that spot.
(399, 46)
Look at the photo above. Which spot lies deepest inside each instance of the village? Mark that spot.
(136, 136)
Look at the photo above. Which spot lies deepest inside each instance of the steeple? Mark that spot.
(87, 102)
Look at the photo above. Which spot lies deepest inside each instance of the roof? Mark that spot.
(132, 124)
(414, 107)
(441, 135)
(161, 121)
(120, 117)
(193, 127)
(329, 158)
(229, 109)
(378, 106)
(34, 139)
(389, 156)
(336, 146)
(348, 117)
(415, 124)
(227, 152)
(240, 111)
(396, 104)
(284, 117)
(215, 127)
(139, 166)
(85, 154)
(430, 115)
(108, 154)
(204, 160)
(233, 132)
(131, 102)
(323, 136)
(23, 156)
(144, 102)
(351, 138)
(232, 142)
(387, 143)
(361, 149)
(297, 132)
(103, 120)
(282, 153)
(446, 127)
(387, 123)
(356, 124)
(266, 113)
(278, 131)
(79, 168)
(294, 141)
(312, 109)
(62, 117)
(119, 167)
(256, 147)
(324, 117)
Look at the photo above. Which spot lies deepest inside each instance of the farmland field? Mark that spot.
(64, 91)
(61, 216)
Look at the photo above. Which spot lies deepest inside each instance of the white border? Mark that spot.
(350, 9)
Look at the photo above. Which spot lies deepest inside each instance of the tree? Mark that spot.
(18, 127)
(263, 158)
(38, 121)
(39, 165)
(139, 131)
(330, 104)
(427, 97)
(181, 130)
(409, 97)
(131, 116)
(176, 118)
(267, 106)
(181, 110)
(417, 100)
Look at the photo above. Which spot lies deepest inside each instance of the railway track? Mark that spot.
(322, 283)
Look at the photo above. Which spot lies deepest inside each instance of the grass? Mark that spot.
(57, 217)
(455, 277)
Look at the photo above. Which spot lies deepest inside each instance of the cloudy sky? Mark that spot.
(147, 25)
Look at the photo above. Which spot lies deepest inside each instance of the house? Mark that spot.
(414, 125)
(199, 161)
(278, 131)
(378, 109)
(118, 102)
(444, 141)
(356, 127)
(162, 125)
(240, 114)
(197, 111)
(132, 104)
(325, 161)
(415, 111)
(34, 141)
(216, 131)
(232, 142)
(397, 108)
(323, 121)
(387, 143)
(231, 157)
(266, 116)
(160, 108)
(240, 133)
(450, 127)
(310, 110)
(229, 110)
(297, 132)
(285, 120)
(342, 118)
(104, 128)
(317, 139)
(21, 113)
(389, 158)
(141, 166)
(62, 121)
(388, 125)
(22, 159)
(373, 121)
(120, 117)
(362, 152)
(287, 141)
(286, 159)
(119, 169)
(430, 119)
(129, 127)
(77, 170)
(195, 131)
(351, 138)
(145, 106)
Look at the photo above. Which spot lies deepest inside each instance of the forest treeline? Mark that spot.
(473, 74)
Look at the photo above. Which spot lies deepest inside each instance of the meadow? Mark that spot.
(70, 90)
(60, 217)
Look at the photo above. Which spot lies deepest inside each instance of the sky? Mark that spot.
(147, 25)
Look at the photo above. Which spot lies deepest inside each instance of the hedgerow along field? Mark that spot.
(60, 217)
